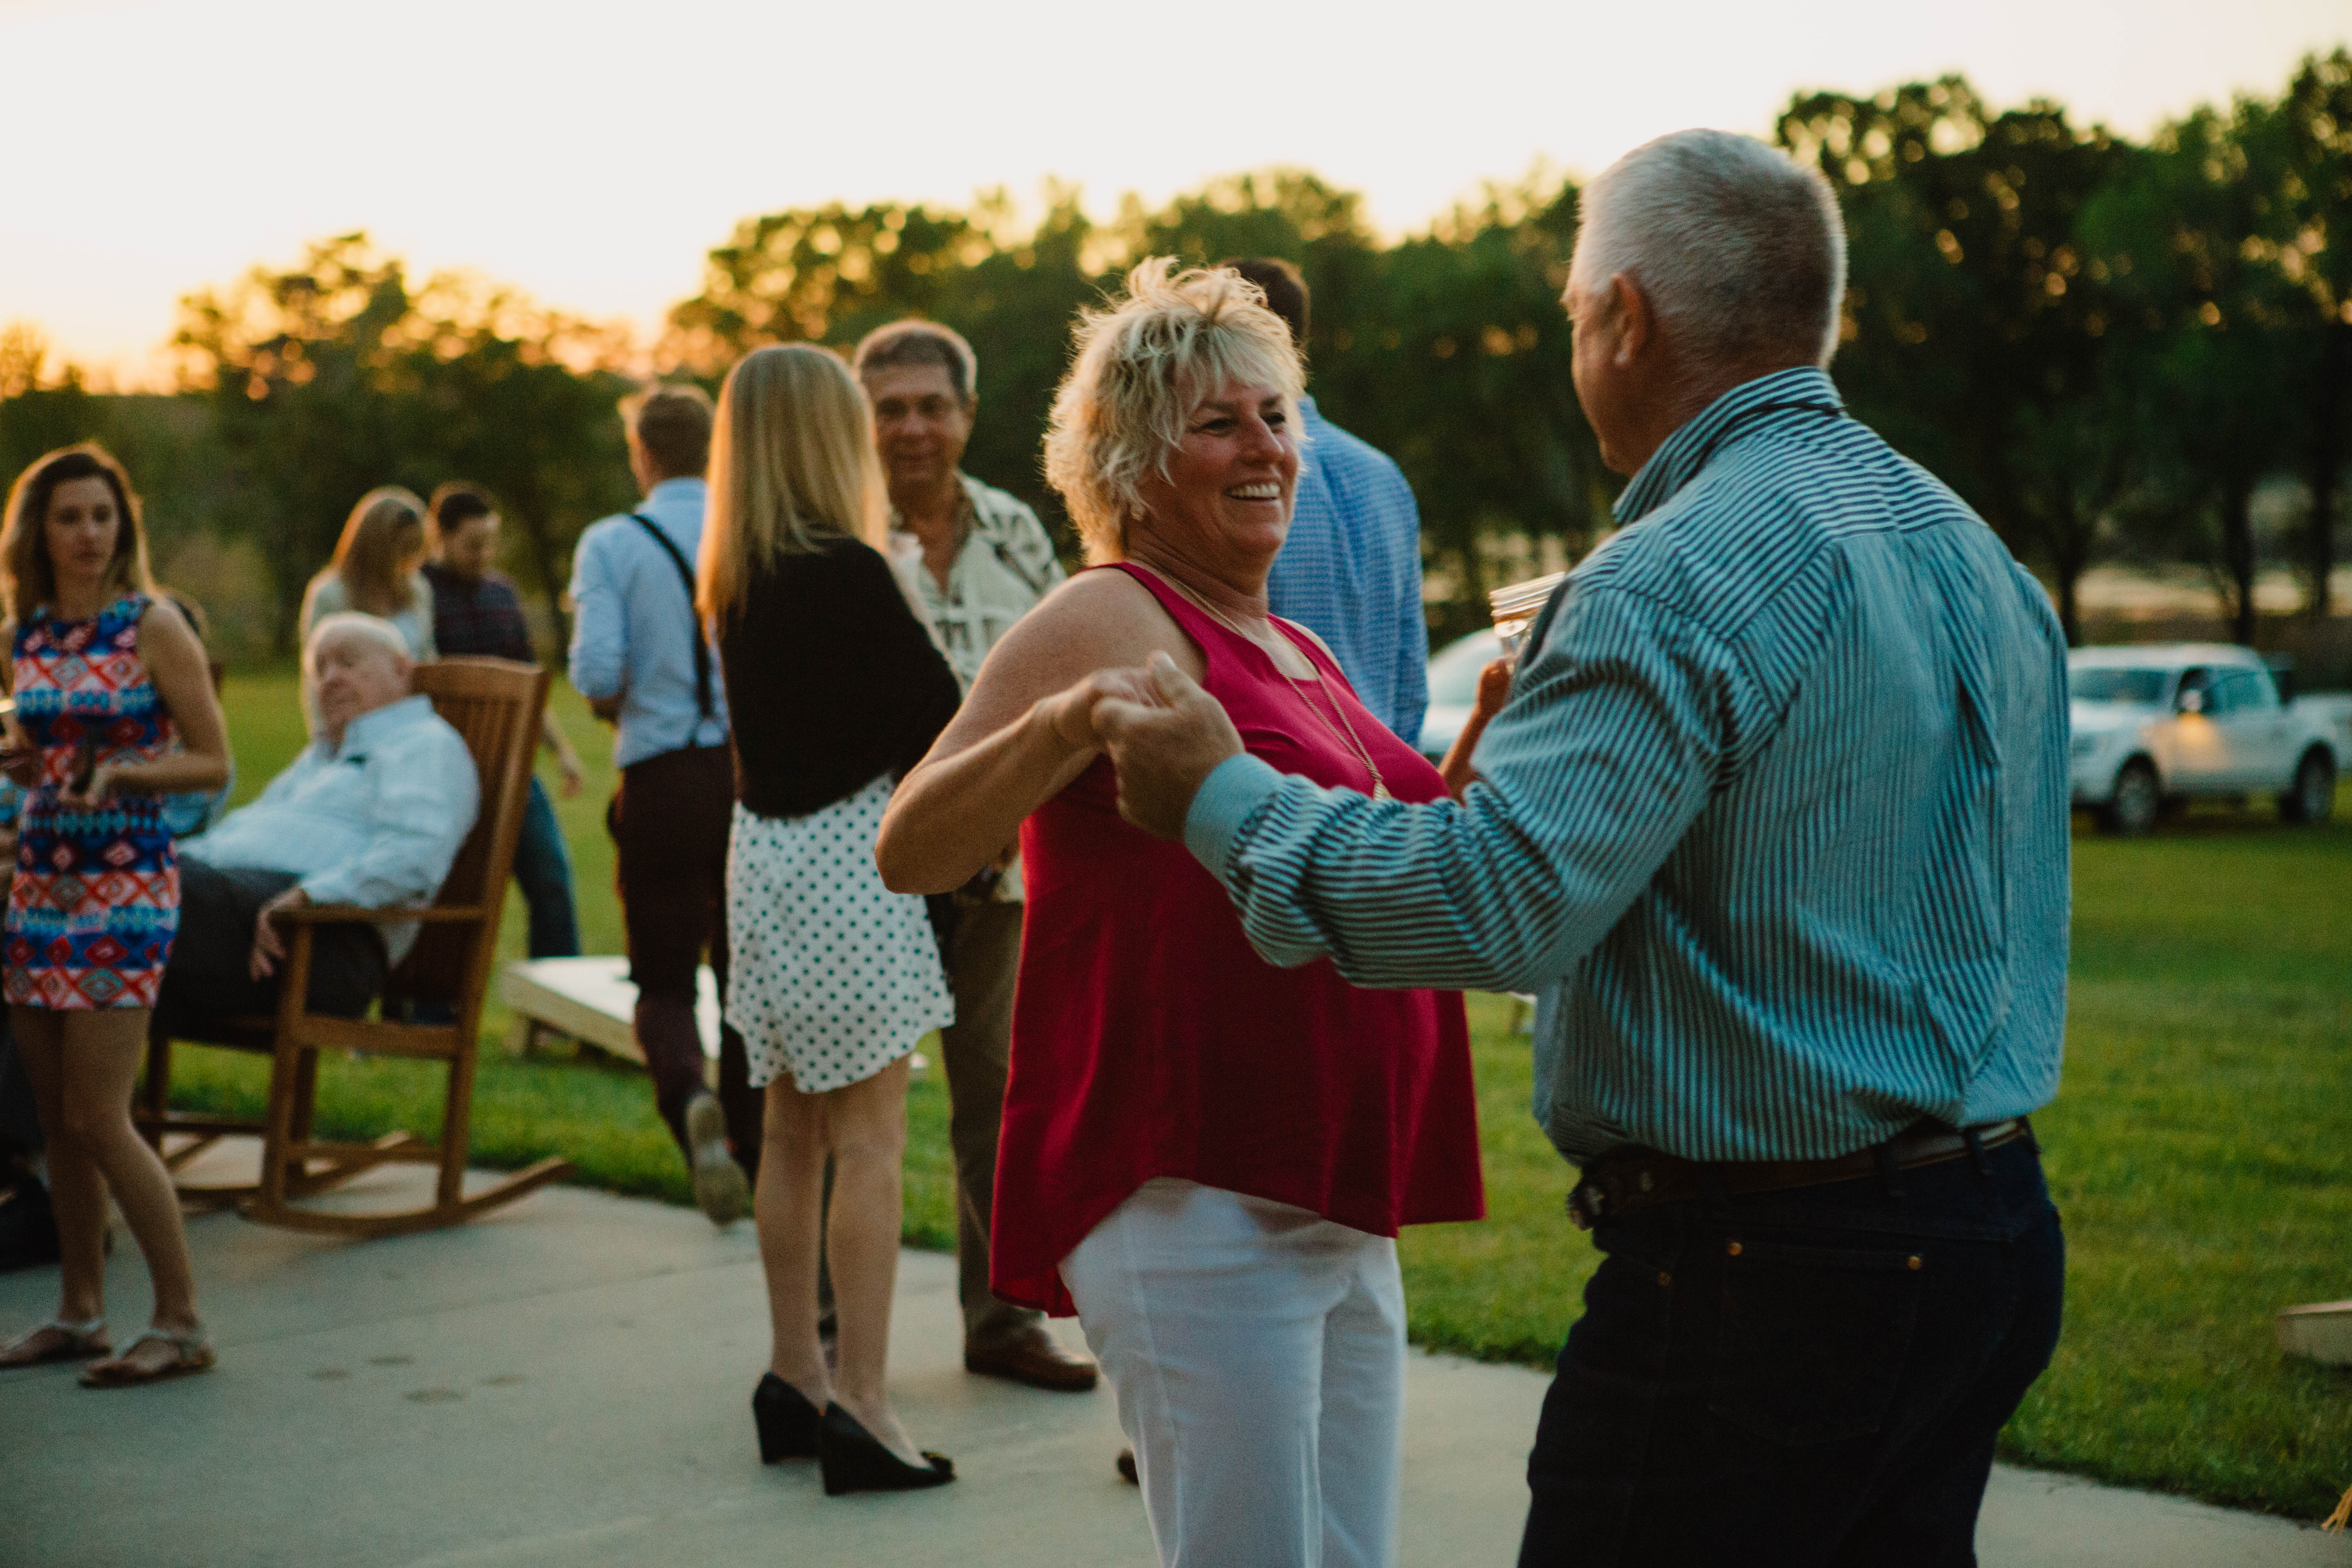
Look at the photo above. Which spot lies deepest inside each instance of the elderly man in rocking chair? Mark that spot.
(371, 813)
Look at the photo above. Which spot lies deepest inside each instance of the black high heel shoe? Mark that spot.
(854, 1460)
(787, 1421)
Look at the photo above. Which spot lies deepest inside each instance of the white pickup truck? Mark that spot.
(2157, 724)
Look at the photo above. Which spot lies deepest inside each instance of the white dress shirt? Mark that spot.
(375, 821)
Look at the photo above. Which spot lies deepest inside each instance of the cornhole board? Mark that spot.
(592, 999)
(2322, 1332)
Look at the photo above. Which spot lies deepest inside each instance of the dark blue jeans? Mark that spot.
(1813, 1376)
(542, 868)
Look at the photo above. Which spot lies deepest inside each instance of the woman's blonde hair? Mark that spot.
(793, 453)
(1141, 367)
(368, 555)
(32, 580)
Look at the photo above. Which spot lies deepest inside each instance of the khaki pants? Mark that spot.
(984, 958)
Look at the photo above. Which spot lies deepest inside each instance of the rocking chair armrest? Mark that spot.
(351, 914)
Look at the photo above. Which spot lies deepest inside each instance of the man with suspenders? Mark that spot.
(639, 656)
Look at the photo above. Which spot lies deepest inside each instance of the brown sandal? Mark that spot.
(191, 1352)
(76, 1342)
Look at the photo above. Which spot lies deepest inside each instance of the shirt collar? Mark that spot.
(372, 727)
(679, 490)
(1689, 449)
(973, 518)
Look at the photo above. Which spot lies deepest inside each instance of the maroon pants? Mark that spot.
(670, 824)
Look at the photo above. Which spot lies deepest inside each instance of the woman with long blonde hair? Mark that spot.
(835, 689)
(377, 570)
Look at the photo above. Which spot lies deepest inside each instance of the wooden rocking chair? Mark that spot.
(496, 705)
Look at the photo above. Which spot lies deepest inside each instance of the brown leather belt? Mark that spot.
(1637, 1178)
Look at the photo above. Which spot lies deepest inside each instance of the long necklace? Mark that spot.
(1350, 738)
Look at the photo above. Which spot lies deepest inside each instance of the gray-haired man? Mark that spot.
(371, 812)
(1775, 820)
(978, 560)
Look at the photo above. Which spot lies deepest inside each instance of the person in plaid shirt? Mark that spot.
(476, 610)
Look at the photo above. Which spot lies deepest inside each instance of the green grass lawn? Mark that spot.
(594, 1110)
(2200, 1148)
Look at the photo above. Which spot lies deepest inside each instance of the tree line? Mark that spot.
(2108, 348)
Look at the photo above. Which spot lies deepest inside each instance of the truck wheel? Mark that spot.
(2133, 809)
(2311, 798)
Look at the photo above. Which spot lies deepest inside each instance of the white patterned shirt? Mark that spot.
(1007, 564)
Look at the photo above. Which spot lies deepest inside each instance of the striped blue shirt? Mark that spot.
(1349, 570)
(1775, 820)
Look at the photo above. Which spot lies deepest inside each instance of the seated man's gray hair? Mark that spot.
(1738, 249)
(356, 624)
(922, 343)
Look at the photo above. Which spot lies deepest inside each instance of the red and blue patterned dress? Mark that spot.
(97, 896)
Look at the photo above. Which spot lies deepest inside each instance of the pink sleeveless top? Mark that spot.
(1149, 1039)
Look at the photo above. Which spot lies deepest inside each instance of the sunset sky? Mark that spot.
(591, 153)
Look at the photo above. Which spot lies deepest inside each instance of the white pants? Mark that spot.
(1258, 1351)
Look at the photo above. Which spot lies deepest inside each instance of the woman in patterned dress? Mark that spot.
(114, 710)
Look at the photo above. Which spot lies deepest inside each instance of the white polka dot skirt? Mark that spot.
(831, 976)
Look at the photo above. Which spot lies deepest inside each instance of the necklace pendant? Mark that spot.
(1381, 791)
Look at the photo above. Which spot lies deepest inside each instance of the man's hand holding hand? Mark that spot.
(1164, 753)
(1070, 713)
(269, 947)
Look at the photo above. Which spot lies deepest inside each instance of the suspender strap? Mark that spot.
(685, 574)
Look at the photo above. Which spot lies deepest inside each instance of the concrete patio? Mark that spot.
(566, 1384)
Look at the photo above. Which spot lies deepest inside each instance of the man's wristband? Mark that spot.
(1223, 805)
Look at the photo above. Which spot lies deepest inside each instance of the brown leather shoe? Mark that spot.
(1034, 1357)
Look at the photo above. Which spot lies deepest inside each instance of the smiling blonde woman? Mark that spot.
(1206, 1157)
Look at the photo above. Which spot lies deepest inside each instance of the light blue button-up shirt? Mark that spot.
(1350, 570)
(634, 626)
(375, 821)
(1775, 820)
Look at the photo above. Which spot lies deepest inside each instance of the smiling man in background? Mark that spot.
(978, 560)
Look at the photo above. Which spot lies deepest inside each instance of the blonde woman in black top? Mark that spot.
(835, 690)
